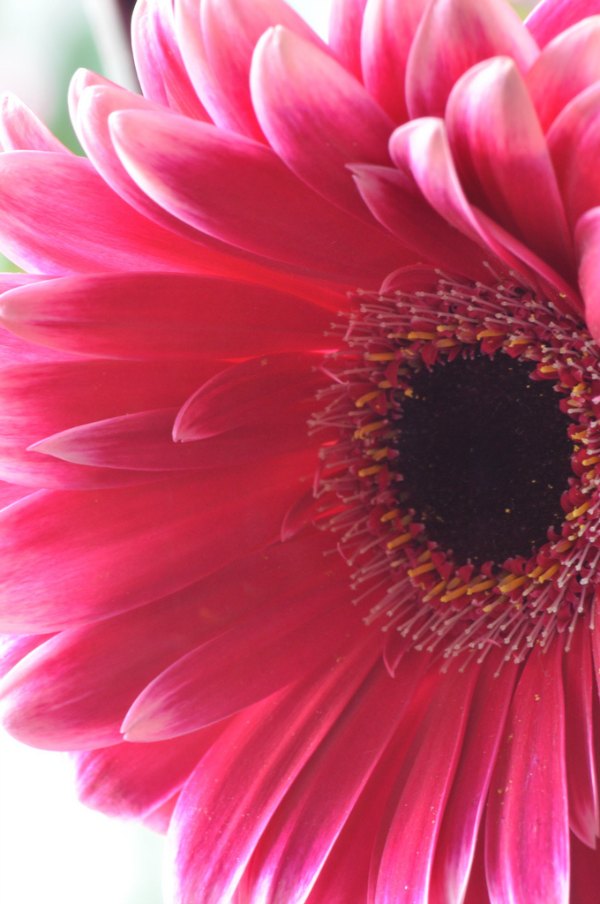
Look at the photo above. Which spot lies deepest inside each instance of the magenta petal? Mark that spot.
(239, 191)
(587, 237)
(584, 815)
(157, 316)
(453, 36)
(252, 392)
(387, 35)
(94, 531)
(230, 31)
(317, 117)
(269, 653)
(404, 866)
(459, 833)
(527, 820)
(565, 68)
(299, 837)
(21, 130)
(551, 17)
(504, 160)
(574, 135)
(131, 780)
(110, 234)
(160, 69)
(345, 25)
(227, 803)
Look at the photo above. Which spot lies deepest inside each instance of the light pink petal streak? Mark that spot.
(345, 25)
(387, 35)
(160, 69)
(574, 135)
(157, 316)
(503, 160)
(565, 68)
(316, 116)
(239, 191)
(527, 825)
(113, 541)
(587, 237)
(550, 17)
(453, 36)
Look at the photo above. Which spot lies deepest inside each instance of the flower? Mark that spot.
(301, 296)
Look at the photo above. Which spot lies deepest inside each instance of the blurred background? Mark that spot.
(52, 849)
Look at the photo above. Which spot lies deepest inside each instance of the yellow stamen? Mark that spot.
(454, 594)
(479, 588)
(399, 541)
(368, 472)
(435, 591)
(581, 510)
(417, 334)
(548, 369)
(380, 356)
(367, 397)
(421, 569)
(549, 573)
(368, 428)
(591, 461)
(513, 583)
(488, 334)
(389, 516)
(446, 343)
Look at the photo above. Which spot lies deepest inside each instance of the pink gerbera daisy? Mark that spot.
(312, 325)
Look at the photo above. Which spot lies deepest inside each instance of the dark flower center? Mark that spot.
(484, 456)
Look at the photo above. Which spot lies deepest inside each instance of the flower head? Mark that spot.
(311, 325)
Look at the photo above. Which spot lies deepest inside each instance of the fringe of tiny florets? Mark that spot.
(406, 580)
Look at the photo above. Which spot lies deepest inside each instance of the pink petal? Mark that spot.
(20, 129)
(345, 24)
(565, 68)
(460, 828)
(396, 201)
(584, 815)
(255, 391)
(230, 31)
(75, 691)
(13, 648)
(574, 136)
(131, 780)
(298, 839)
(550, 17)
(110, 234)
(154, 316)
(585, 868)
(527, 819)
(269, 653)
(160, 69)
(404, 866)
(82, 537)
(222, 814)
(587, 237)
(504, 161)
(144, 442)
(453, 36)
(387, 35)
(316, 116)
(45, 397)
(239, 191)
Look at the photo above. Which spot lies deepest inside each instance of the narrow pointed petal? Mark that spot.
(271, 743)
(239, 191)
(230, 31)
(160, 69)
(255, 391)
(460, 828)
(584, 816)
(504, 161)
(574, 136)
(566, 67)
(93, 531)
(345, 25)
(404, 867)
(21, 130)
(317, 117)
(387, 35)
(291, 853)
(110, 234)
(131, 780)
(587, 237)
(455, 35)
(269, 653)
(550, 17)
(160, 316)
(529, 789)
